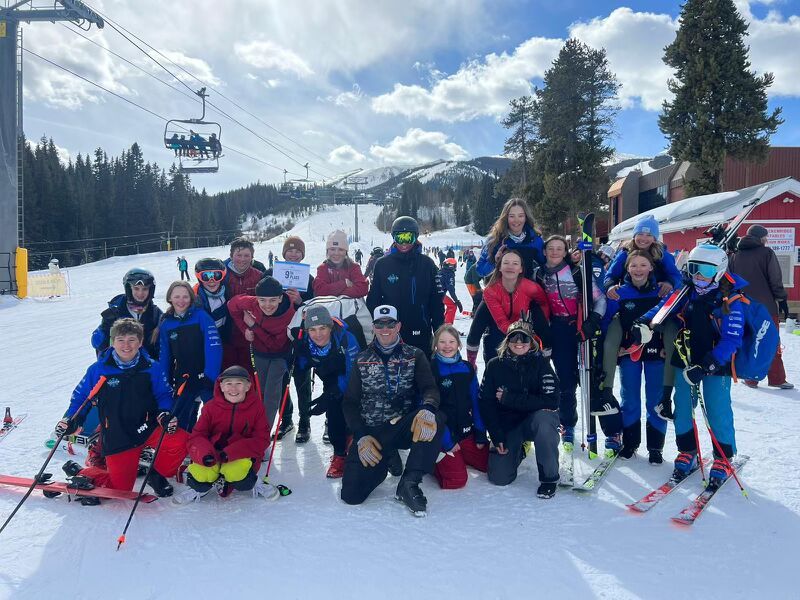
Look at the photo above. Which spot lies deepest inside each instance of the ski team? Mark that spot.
(210, 376)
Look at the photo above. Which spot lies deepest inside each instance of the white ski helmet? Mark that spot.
(708, 260)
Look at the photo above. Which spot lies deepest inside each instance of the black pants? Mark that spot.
(302, 389)
(359, 481)
(187, 275)
(337, 428)
(541, 428)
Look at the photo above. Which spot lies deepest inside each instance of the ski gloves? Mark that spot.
(472, 356)
(319, 405)
(423, 427)
(369, 451)
(459, 306)
(783, 306)
(66, 427)
(169, 424)
(590, 328)
(695, 373)
(641, 333)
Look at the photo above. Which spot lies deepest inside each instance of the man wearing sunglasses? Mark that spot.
(391, 402)
(407, 279)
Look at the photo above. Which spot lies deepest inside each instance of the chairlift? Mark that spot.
(196, 142)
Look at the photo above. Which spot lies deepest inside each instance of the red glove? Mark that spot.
(472, 357)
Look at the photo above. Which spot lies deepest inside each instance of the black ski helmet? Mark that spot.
(377, 251)
(209, 264)
(405, 224)
(138, 276)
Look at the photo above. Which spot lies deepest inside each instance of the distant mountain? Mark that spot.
(623, 164)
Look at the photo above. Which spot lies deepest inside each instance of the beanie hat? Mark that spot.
(269, 288)
(293, 243)
(235, 372)
(646, 224)
(317, 315)
(338, 239)
(757, 231)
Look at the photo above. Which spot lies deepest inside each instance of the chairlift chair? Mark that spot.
(196, 142)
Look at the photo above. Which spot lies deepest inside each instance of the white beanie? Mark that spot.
(338, 239)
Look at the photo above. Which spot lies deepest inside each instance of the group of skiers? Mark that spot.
(228, 347)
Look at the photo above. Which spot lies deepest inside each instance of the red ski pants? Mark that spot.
(451, 471)
(449, 310)
(777, 374)
(121, 468)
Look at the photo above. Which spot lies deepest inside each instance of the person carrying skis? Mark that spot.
(464, 440)
(241, 278)
(507, 295)
(562, 284)
(189, 344)
(447, 282)
(210, 293)
(519, 401)
(513, 230)
(391, 402)
(136, 303)
(637, 295)
(294, 250)
(406, 279)
(183, 267)
(711, 331)
(338, 275)
(228, 441)
(327, 346)
(134, 404)
(262, 320)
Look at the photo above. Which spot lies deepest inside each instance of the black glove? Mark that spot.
(168, 422)
(783, 307)
(694, 374)
(223, 456)
(590, 327)
(459, 306)
(209, 460)
(109, 315)
(66, 427)
(710, 364)
(206, 384)
(319, 405)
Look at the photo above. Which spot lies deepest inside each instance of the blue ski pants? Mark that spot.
(630, 372)
(716, 391)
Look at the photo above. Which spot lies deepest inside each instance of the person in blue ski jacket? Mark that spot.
(637, 295)
(710, 333)
(464, 440)
(514, 229)
(210, 291)
(189, 344)
(327, 346)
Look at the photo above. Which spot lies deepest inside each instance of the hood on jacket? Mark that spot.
(221, 402)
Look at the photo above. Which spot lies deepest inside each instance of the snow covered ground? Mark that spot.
(479, 542)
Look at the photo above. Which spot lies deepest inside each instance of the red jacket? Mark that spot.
(238, 285)
(505, 307)
(239, 430)
(270, 332)
(330, 280)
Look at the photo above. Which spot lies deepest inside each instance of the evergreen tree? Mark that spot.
(486, 205)
(719, 107)
(520, 144)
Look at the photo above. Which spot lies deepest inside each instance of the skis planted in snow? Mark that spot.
(12, 424)
(596, 477)
(661, 492)
(586, 373)
(566, 465)
(696, 507)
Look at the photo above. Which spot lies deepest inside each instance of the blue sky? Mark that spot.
(365, 83)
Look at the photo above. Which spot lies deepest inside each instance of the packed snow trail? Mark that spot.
(482, 541)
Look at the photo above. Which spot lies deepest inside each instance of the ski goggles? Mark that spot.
(404, 237)
(142, 282)
(519, 338)
(211, 275)
(384, 324)
(707, 270)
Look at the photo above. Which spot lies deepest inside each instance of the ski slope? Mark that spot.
(479, 542)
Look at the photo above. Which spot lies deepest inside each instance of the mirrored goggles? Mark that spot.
(385, 324)
(211, 275)
(519, 338)
(404, 237)
(707, 270)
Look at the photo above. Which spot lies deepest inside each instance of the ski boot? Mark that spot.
(547, 490)
(286, 427)
(325, 437)
(266, 491)
(685, 463)
(409, 493)
(89, 501)
(336, 469)
(568, 437)
(613, 445)
(656, 457)
(71, 468)
(631, 438)
(303, 432)
(655, 444)
(159, 483)
(719, 472)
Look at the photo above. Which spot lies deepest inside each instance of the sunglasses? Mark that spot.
(404, 237)
(211, 275)
(384, 324)
(706, 270)
(520, 338)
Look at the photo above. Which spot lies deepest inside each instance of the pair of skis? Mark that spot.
(10, 423)
(567, 470)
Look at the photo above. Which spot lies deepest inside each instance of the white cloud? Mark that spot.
(267, 55)
(478, 88)
(345, 99)
(196, 66)
(418, 146)
(346, 155)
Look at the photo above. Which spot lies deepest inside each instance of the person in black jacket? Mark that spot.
(519, 402)
(407, 280)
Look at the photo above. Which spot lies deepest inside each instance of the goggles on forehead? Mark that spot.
(141, 282)
(211, 275)
(404, 237)
(705, 269)
(384, 324)
(519, 338)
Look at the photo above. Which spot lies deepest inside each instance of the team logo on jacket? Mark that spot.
(392, 278)
(113, 382)
(447, 382)
(630, 305)
(142, 427)
(173, 335)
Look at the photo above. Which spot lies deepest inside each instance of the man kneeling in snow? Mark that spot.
(228, 441)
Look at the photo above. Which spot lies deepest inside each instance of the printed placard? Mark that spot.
(781, 239)
(292, 275)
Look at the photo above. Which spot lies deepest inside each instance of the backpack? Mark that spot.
(760, 340)
(352, 311)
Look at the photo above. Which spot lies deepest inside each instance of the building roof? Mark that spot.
(703, 211)
(616, 187)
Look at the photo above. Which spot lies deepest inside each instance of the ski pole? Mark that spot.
(719, 447)
(255, 370)
(178, 404)
(37, 477)
(282, 489)
(695, 396)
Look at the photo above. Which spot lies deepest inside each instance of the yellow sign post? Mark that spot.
(2, 29)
